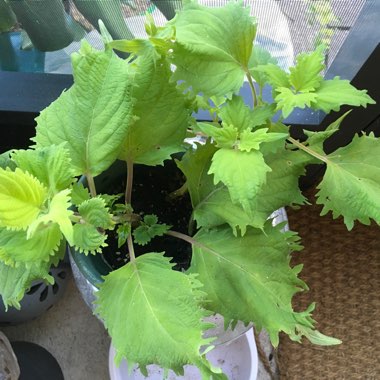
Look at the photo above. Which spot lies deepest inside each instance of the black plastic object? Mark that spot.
(36, 363)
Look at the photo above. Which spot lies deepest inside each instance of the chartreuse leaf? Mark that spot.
(207, 56)
(93, 116)
(160, 113)
(14, 282)
(22, 197)
(212, 204)
(17, 248)
(273, 75)
(58, 212)
(244, 178)
(306, 75)
(89, 236)
(334, 93)
(252, 140)
(149, 229)
(51, 165)
(350, 186)
(153, 315)
(281, 188)
(257, 283)
(225, 136)
(287, 100)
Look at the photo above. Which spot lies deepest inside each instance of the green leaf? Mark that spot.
(252, 140)
(58, 212)
(51, 165)
(149, 229)
(225, 137)
(6, 161)
(306, 75)
(123, 231)
(17, 248)
(350, 186)
(153, 315)
(21, 198)
(274, 75)
(14, 282)
(239, 115)
(281, 188)
(212, 204)
(257, 283)
(207, 56)
(159, 132)
(87, 239)
(95, 212)
(287, 100)
(93, 116)
(259, 57)
(79, 194)
(332, 94)
(244, 178)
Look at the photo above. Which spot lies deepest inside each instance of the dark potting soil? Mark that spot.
(151, 187)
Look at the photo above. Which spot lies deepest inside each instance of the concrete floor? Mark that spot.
(72, 334)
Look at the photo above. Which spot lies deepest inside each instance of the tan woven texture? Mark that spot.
(342, 270)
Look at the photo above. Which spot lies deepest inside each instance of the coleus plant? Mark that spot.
(139, 110)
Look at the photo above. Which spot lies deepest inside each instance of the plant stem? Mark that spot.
(128, 189)
(91, 184)
(307, 150)
(252, 86)
(180, 235)
(179, 192)
(131, 250)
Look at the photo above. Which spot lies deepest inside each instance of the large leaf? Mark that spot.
(160, 110)
(93, 115)
(243, 173)
(350, 186)
(17, 249)
(21, 198)
(152, 314)
(207, 55)
(51, 165)
(14, 282)
(332, 94)
(249, 279)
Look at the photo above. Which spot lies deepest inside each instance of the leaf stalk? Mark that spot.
(307, 150)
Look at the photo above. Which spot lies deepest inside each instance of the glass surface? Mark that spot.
(39, 36)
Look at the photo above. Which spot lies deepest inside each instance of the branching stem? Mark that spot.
(128, 188)
(307, 149)
(91, 184)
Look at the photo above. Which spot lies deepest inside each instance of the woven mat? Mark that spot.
(342, 270)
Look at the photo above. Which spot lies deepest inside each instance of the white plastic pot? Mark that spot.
(238, 360)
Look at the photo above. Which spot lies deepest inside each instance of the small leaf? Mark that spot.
(149, 229)
(225, 137)
(306, 75)
(79, 194)
(21, 198)
(95, 212)
(6, 161)
(88, 239)
(274, 75)
(162, 309)
(123, 231)
(252, 140)
(243, 179)
(287, 100)
(259, 57)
